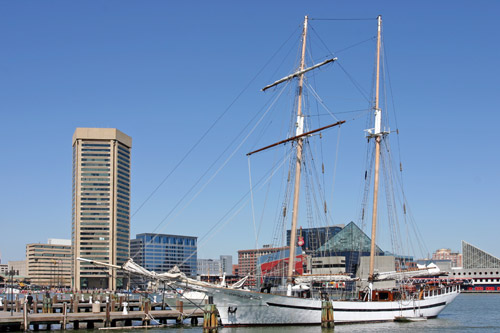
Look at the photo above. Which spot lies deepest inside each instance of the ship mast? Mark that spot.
(377, 134)
(299, 138)
(300, 129)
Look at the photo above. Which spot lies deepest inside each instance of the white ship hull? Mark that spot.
(244, 308)
(191, 302)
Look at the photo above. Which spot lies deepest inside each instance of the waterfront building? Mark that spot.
(352, 244)
(447, 254)
(313, 238)
(101, 206)
(50, 264)
(161, 252)
(480, 269)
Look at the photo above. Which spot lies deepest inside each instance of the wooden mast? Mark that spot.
(377, 134)
(300, 124)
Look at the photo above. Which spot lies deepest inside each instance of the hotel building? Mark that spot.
(101, 206)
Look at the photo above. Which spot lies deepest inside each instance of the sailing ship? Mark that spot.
(288, 306)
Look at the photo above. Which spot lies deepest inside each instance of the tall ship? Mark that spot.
(296, 300)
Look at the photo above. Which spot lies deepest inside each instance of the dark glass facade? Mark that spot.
(161, 252)
(314, 237)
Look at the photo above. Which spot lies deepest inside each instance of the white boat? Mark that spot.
(245, 307)
(238, 307)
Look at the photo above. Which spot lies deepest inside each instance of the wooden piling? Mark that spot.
(107, 322)
(74, 309)
(26, 317)
(210, 324)
(327, 320)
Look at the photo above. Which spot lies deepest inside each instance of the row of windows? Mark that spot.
(105, 194)
(96, 149)
(126, 183)
(97, 174)
(94, 169)
(475, 273)
(96, 199)
(93, 189)
(122, 201)
(124, 174)
(94, 155)
(125, 155)
(95, 179)
(126, 180)
(121, 167)
(95, 145)
(96, 160)
(95, 165)
(123, 192)
(97, 184)
(95, 204)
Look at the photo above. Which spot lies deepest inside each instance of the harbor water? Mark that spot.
(468, 313)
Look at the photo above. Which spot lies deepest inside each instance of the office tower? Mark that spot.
(160, 252)
(101, 206)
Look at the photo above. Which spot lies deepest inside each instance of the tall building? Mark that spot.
(50, 264)
(101, 206)
(161, 252)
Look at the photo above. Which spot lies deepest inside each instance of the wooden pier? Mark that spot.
(55, 314)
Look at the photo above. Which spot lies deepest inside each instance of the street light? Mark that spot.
(11, 274)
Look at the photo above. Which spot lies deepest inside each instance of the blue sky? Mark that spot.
(162, 71)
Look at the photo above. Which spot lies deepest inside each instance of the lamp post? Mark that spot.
(11, 274)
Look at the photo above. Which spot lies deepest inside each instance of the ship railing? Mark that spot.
(441, 291)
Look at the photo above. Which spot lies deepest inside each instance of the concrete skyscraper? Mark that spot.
(101, 206)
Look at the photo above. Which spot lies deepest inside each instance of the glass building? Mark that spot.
(101, 206)
(351, 243)
(314, 237)
(473, 257)
(161, 252)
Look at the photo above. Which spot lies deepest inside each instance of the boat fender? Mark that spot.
(231, 309)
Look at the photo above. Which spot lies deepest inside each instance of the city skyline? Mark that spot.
(127, 71)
